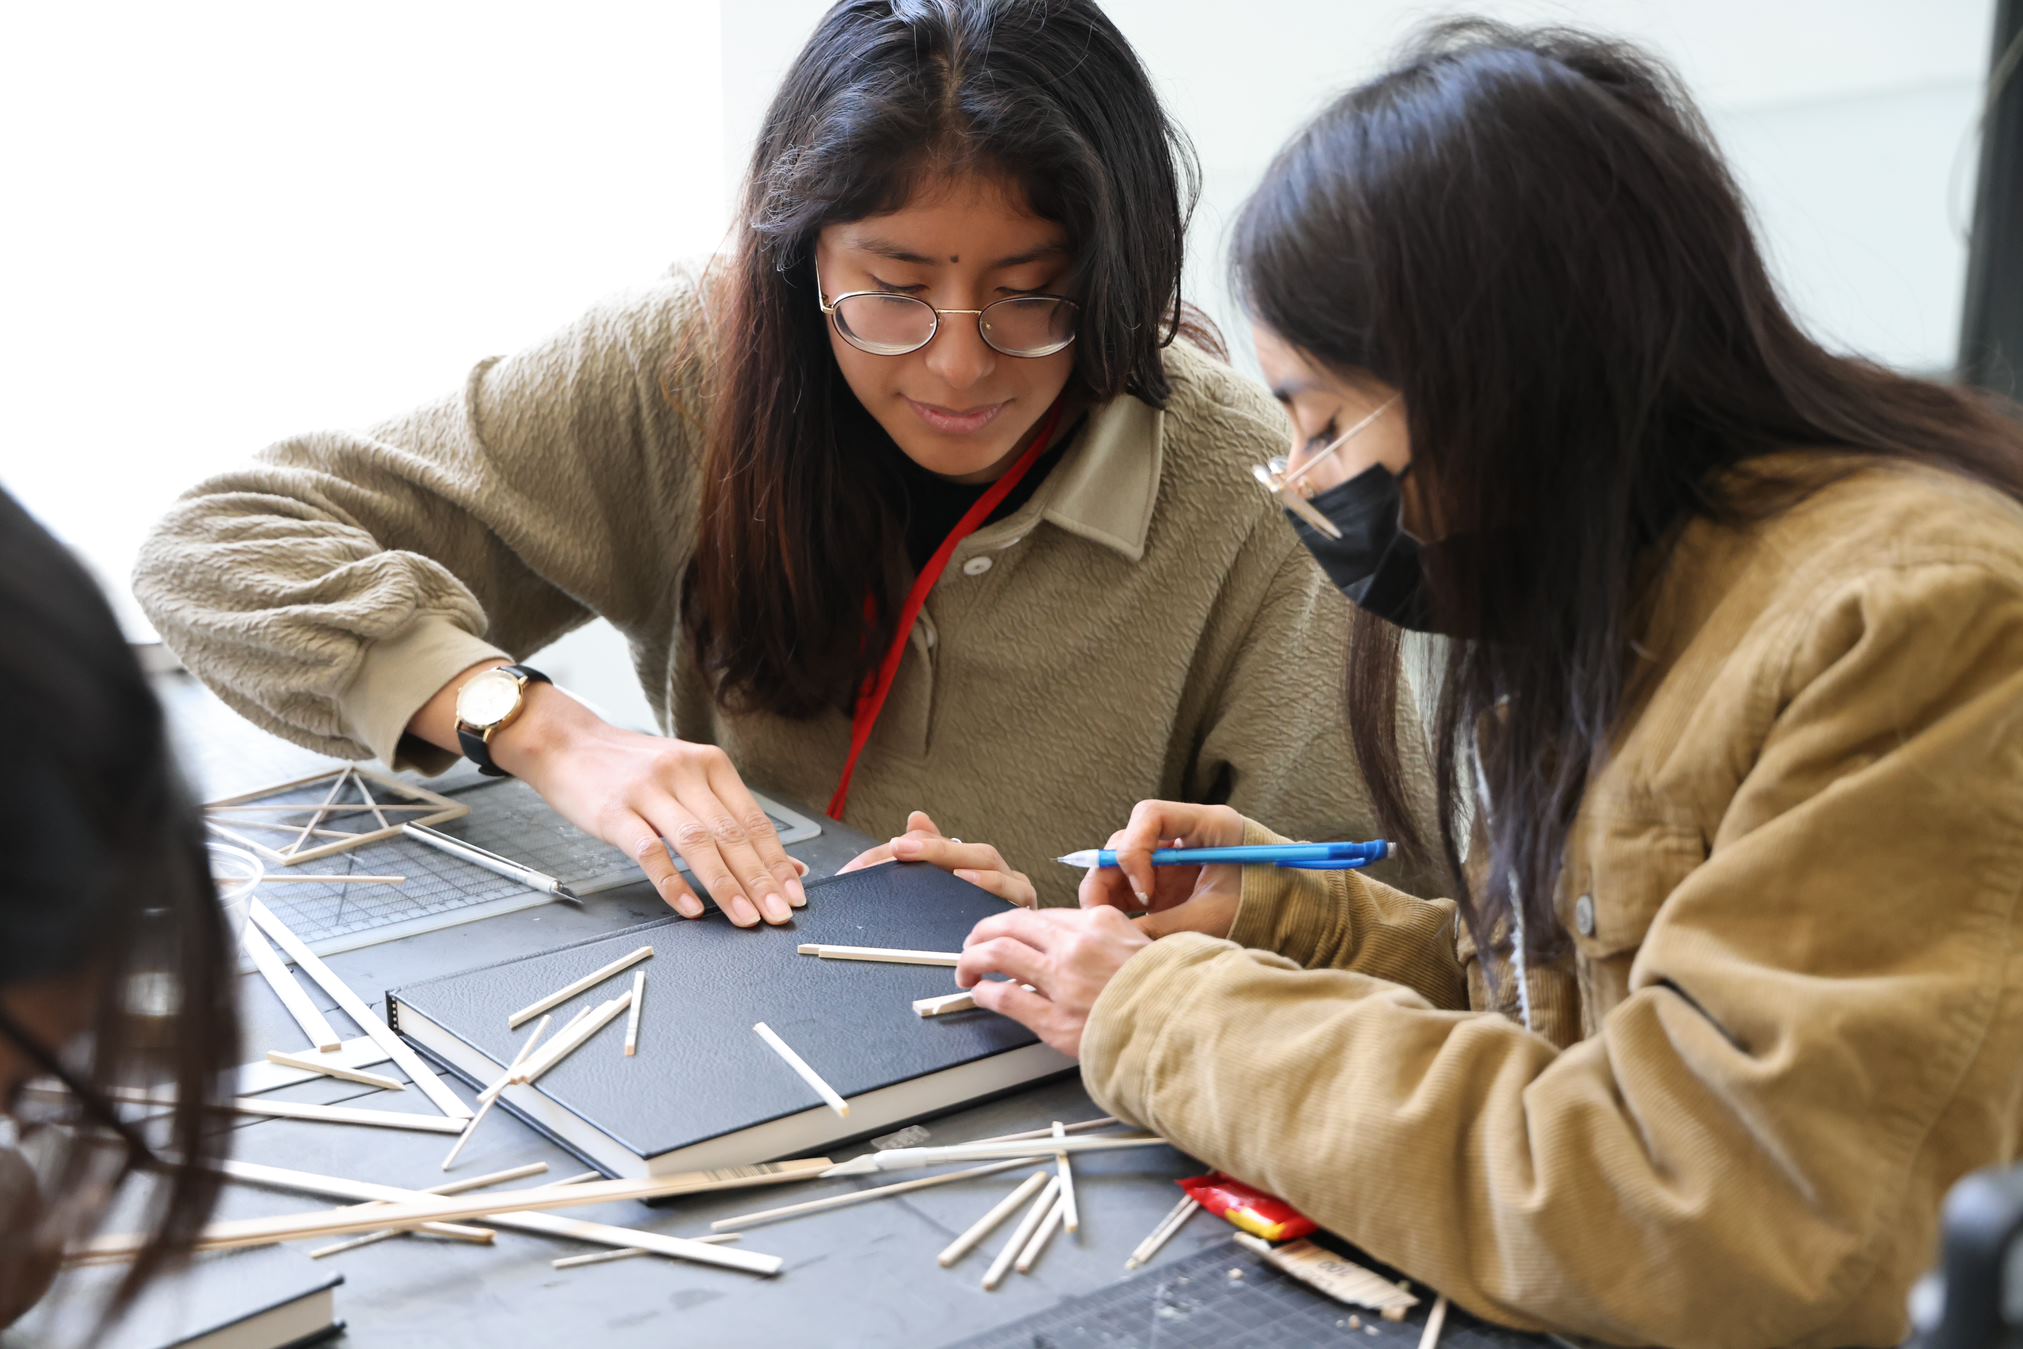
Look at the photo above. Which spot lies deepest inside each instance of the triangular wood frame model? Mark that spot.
(402, 801)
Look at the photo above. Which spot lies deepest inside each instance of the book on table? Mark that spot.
(704, 1090)
(269, 1297)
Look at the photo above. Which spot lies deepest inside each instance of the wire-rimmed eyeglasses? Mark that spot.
(885, 323)
(1293, 488)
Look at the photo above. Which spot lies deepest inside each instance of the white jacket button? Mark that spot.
(976, 566)
(1584, 915)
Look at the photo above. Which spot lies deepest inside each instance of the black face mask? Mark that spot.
(1375, 562)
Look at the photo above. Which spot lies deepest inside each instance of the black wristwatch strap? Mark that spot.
(479, 750)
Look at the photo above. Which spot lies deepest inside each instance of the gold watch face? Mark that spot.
(488, 699)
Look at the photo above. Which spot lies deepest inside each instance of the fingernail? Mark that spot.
(688, 906)
(1143, 898)
(965, 874)
(742, 912)
(906, 847)
(777, 910)
(796, 893)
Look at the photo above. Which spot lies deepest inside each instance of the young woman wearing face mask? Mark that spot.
(1734, 695)
(941, 346)
(106, 883)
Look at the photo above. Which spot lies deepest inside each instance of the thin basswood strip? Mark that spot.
(332, 1070)
(1435, 1320)
(1021, 1234)
(1081, 1127)
(407, 1208)
(452, 1187)
(945, 1003)
(354, 809)
(590, 980)
(491, 1100)
(368, 1021)
(1031, 1254)
(801, 1068)
(338, 1114)
(899, 1159)
(347, 878)
(627, 1252)
(313, 1023)
(632, 1017)
(1174, 1220)
(505, 1079)
(988, 1223)
(570, 1040)
(745, 1220)
(241, 822)
(372, 805)
(336, 786)
(889, 955)
(1070, 1215)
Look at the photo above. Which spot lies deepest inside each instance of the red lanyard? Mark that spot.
(871, 701)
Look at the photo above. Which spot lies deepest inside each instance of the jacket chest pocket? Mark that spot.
(1627, 863)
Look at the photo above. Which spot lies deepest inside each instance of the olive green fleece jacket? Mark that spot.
(1144, 626)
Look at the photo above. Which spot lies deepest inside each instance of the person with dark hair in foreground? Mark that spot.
(107, 886)
(941, 343)
(1733, 698)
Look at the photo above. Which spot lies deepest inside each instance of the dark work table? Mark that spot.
(864, 1274)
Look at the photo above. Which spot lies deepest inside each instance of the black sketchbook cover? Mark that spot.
(704, 1090)
(257, 1299)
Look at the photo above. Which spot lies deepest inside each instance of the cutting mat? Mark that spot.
(507, 817)
(1194, 1302)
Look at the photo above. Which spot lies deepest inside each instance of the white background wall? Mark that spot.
(235, 221)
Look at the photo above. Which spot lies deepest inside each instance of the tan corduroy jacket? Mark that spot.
(1794, 1015)
(1144, 626)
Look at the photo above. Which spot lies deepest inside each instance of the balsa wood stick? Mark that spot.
(336, 786)
(769, 1215)
(313, 1023)
(627, 1252)
(407, 1208)
(945, 1003)
(899, 1159)
(570, 1039)
(505, 1079)
(1174, 1220)
(1070, 1216)
(368, 1021)
(491, 1096)
(1080, 1127)
(338, 1114)
(988, 1223)
(357, 809)
(453, 1187)
(332, 1070)
(800, 1066)
(632, 1017)
(1022, 1234)
(348, 878)
(590, 980)
(1435, 1321)
(886, 954)
(1031, 1254)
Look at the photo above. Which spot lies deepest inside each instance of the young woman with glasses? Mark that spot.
(940, 358)
(1734, 697)
(106, 886)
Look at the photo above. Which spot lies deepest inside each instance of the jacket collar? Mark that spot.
(1104, 487)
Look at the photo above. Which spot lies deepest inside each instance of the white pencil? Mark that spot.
(632, 1018)
(590, 980)
(332, 1070)
(490, 1097)
(744, 1220)
(1174, 1220)
(987, 1224)
(1031, 1254)
(886, 954)
(1070, 1215)
(313, 1023)
(800, 1065)
(1022, 1234)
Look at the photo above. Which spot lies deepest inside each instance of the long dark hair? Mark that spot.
(800, 526)
(1531, 234)
(107, 883)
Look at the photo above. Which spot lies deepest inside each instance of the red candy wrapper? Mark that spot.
(1253, 1210)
